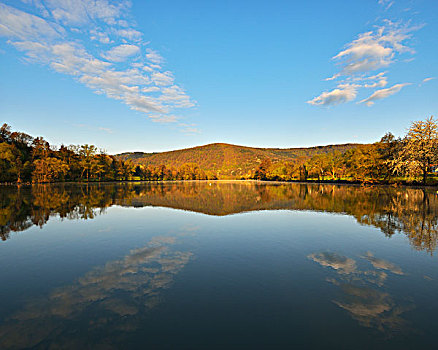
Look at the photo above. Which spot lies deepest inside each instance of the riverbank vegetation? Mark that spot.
(411, 159)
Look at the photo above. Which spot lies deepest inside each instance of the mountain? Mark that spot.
(225, 160)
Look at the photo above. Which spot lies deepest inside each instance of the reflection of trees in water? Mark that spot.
(101, 308)
(21, 208)
(362, 293)
(407, 210)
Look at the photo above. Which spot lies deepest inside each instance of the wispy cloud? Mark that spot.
(121, 53)
(107, 130)
(361, 59)
(378, 80)
(95, 41)
(374, 49)
(425, 80)
(159, 118)
(189, 129)
(386, 3)
(383, 93)
(342, 94)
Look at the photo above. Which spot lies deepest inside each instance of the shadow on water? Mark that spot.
(413, 212)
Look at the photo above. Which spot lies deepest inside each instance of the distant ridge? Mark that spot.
(228, 161)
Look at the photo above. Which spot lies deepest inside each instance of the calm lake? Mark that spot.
(219, 265)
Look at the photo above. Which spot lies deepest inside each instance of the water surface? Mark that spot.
(200, 265)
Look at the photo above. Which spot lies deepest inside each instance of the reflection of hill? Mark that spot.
(411, 211)
(214, 198)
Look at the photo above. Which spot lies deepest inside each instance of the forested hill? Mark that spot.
(413, 158)
(228, 161)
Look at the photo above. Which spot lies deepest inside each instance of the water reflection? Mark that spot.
(101, 307)
(383, 264)
(413, 212)
(363, 293)
(341, 264)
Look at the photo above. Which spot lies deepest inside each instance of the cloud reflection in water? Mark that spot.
(107, 300)
(361, 293)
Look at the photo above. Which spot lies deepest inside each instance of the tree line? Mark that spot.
(413, 158)
(24, 158)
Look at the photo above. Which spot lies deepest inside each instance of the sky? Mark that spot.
(149, 76)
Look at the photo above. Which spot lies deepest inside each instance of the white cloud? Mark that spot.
(160, 118)
(146, 104)
(342, 94)
(100, 36)
(72, 37)
(16, 24)
(80, 12)
(107, 130)
(373, 50)
(383, 93)
(370, 51)
(333, 77)
(381, 82)
(175, 95)
(121, 53)
(386, 3)
(425, 80)
(154, 56)
(162, 78)
(130, 34)
(191, 130)
(151, 89)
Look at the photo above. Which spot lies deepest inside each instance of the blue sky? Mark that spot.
(162, 75)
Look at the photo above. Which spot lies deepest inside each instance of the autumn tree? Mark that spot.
(335, 165)
(263, 169)
(9, 159)
(191, 171)
(419, 150)
(128, 169)
(388, 147)
(40, 153)
(49, 169)
(319, 165)
(88, 161)
(364, 163)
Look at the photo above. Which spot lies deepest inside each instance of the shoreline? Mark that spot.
(265, 182)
